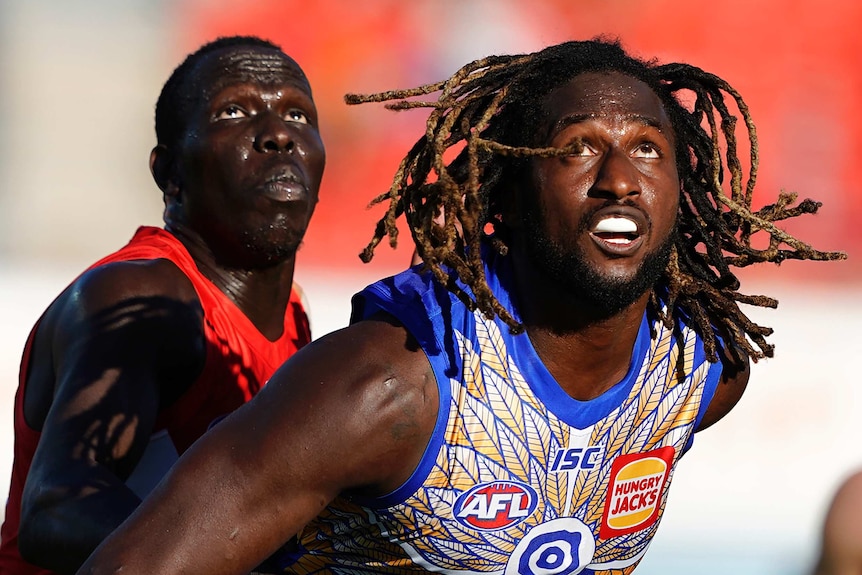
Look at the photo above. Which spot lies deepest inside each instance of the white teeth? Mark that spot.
(616, 225)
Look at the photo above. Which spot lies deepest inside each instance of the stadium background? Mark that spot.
(79, 80)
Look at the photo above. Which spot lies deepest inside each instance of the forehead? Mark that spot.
(604, 94)
(247, 65)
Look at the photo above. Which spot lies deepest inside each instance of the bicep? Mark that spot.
(325, 423)
(110, 344)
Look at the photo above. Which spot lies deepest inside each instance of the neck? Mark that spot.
(586, 352)
(261, 294)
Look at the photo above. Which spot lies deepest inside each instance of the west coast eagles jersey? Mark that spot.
(519, 478)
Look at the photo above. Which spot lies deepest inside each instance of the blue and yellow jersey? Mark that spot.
(518, 477)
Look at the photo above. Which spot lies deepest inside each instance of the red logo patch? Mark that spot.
(634, 494)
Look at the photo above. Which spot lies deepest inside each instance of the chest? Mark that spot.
(517, 484)
(520, 479)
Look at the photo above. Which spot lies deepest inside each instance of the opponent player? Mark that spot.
(152, 344)
(519, 404)
(841, 547)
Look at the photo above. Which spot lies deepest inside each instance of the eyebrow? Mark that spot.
(579, 118)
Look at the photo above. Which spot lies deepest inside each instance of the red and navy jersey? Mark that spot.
(519, 477)
(239, 361)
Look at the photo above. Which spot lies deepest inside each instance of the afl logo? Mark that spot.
(495, 505)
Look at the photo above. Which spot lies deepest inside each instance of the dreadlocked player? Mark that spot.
(567, 194)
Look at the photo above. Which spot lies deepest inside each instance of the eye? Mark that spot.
(297, 116)
(647, 150)
(231, 112)
(581, 148)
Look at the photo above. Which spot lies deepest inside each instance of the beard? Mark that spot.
(603, 295)
(270, 245)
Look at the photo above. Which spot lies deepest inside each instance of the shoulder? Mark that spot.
(125, 301)
(407, 288)
(732, 383)
(419, 302)
(846, 506)
(728, 376)
(117, 325)
(137, 277)
(375, 381)
(110, 283)
(841, 550)
(377, 348)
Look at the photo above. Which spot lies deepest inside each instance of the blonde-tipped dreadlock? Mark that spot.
(486, 115)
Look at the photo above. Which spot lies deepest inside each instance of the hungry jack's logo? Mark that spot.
(634, 492)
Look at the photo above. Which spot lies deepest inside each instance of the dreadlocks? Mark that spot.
(484, 123)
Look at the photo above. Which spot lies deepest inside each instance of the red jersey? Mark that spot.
(239, 360)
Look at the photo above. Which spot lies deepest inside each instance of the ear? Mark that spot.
(162, 167)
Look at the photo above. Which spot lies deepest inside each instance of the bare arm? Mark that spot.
(124, 340)
(841, 548)
(352, 411)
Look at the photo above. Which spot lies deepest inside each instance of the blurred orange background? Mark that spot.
(798, 64)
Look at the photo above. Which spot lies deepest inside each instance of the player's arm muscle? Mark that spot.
(108, 340)
(352, 411)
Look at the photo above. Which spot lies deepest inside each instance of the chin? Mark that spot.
(608, 296)
(271, 248)
(605, 291)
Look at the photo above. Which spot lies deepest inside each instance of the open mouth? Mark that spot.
(616, 234)
(616, 230)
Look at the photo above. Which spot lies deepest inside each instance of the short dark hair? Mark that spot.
(178, 98)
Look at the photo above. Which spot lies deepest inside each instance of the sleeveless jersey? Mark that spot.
(518, 478)
(239, 360)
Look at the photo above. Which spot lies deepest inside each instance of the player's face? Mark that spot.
(600, 221)
(252, 158)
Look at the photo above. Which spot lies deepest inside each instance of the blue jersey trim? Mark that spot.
(709, 387)
(432, 314)
(577, 413)
(379, 297)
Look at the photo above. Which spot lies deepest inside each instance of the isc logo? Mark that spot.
(495, 505)
(575, 458)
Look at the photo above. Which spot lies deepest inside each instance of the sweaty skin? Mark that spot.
(126, 339)
(353, 412)
(249, 141)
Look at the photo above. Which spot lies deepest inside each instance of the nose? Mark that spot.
(273, 134)
(617, 177)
